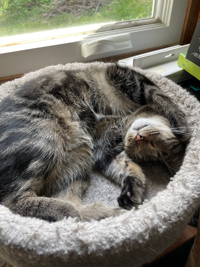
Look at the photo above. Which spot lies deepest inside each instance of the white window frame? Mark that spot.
(164, 30)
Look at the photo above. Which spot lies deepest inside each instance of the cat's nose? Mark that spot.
(139, 137)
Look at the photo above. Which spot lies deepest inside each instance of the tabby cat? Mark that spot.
(56, 128)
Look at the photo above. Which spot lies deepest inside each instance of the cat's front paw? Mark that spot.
(132, 193)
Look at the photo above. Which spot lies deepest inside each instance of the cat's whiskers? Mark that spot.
(176, 131)
(171, 170)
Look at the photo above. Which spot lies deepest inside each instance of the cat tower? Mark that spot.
(131, 239)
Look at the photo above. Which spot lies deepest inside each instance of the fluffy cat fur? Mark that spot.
(56, 128)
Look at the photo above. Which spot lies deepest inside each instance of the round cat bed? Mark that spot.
(131, 239)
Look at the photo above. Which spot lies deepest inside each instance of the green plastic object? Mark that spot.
(187, 65)
(194, 88)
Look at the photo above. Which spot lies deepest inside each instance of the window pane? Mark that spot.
(27, 16)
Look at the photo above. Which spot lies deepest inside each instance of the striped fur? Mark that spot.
(56, 128)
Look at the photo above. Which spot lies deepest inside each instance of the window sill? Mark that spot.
(106, 60)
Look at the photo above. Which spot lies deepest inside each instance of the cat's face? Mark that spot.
(150, 138)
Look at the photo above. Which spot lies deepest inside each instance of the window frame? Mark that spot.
(191, 19)
(24, 58)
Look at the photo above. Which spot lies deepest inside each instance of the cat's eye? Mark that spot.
(139, 128)
(152, 144)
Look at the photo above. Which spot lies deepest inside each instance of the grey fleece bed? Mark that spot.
(131, 239)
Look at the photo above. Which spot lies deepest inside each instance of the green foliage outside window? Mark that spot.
(25, 16)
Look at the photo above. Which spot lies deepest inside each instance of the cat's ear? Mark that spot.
(184, 137)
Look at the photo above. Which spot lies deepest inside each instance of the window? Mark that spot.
(27, 16)
(162, 28)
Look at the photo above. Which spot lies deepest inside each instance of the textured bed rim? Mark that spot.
(131, 239)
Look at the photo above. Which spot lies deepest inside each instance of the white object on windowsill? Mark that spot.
(163, 62)
(106, 45)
